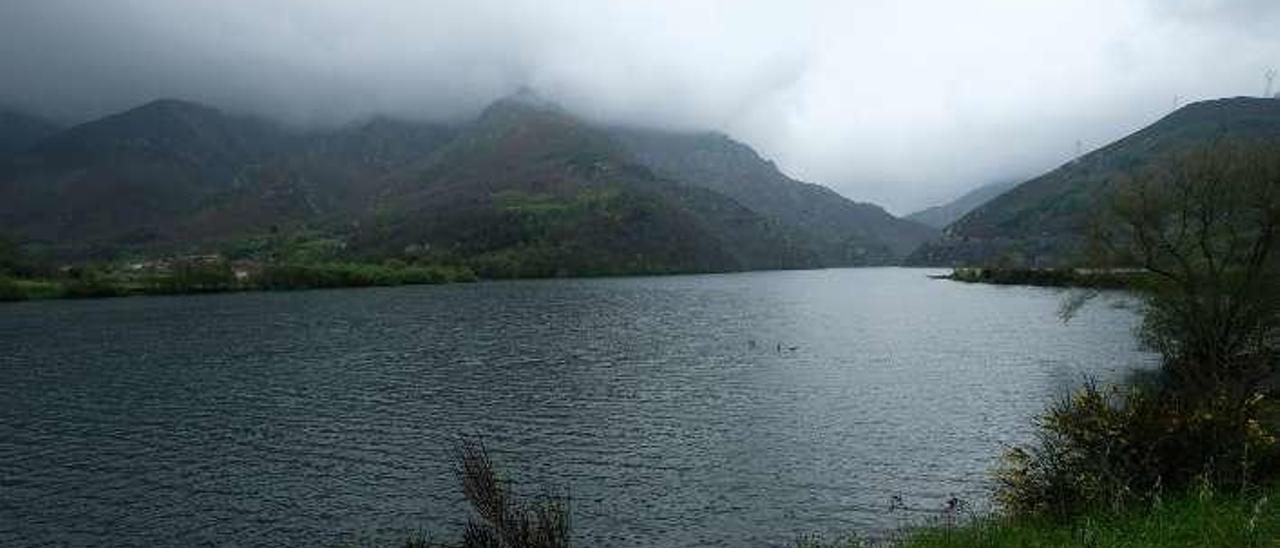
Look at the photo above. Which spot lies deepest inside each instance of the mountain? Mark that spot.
(530, 190)
(841, 231)
(19, 131)
(174, 175)
(129, 176)
(525, 189)
(940, 216)
(1044, 221)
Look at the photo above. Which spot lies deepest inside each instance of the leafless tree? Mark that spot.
(1205, 225)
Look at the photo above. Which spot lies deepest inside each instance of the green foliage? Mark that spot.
(505, 519)
(214, 274)
(10, 290)
(1206, 225)
(18, 262)
(310, 250)
(593, 232)
(1196, 518)
(302, 276)
(91, 282)
(327, 275)
(1047, 219)
(814, 541)
(501, 518)
(436, 274)
(17, 289)
(8, 256)
(1203, 226)
(1120, 447)
(298, 246)
(1046, 277)
(196, 276)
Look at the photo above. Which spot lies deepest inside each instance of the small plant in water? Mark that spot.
(500, 517)
(506, 521)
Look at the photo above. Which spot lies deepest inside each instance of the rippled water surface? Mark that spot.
(720, 410)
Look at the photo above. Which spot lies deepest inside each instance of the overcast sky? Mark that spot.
(902, 102)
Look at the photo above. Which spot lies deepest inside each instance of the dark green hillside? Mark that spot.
(526, 189)
(316, 179)
(1043, 222)
(131, 178)
(19, 131)
(842, 232)
(532, 191)
(174, 176)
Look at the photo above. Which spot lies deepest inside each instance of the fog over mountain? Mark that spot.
(906, 104)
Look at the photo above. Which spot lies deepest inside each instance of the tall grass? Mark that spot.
(1199, 518)
(502, 518)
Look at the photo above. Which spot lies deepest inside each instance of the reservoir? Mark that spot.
(710, 410)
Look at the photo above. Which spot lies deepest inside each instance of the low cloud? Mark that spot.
(903, 103)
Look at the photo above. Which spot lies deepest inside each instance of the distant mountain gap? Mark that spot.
(1044, 222)
(942, 215)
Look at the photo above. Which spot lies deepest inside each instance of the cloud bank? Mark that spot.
(903, 103)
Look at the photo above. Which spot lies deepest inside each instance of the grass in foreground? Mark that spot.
(1198, 519)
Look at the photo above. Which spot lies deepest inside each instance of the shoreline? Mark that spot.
(1047, 277)
(22, 289)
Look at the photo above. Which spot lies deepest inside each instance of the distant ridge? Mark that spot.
(941, 216)
(1044, 221)
(842, 231)
(526, 189)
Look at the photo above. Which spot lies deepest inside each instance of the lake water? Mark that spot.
(665, 405)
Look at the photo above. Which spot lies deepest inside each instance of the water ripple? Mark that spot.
(721, 410)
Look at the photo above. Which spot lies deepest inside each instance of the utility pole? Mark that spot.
(1271, 78)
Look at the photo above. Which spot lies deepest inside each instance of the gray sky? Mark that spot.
(901, 102)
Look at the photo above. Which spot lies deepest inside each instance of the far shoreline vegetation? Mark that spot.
(25, 278)
(213, 273)
(1118, 278)
(197, 276)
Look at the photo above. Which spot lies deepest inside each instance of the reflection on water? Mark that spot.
(719, 410)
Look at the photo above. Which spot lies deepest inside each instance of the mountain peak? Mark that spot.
(530, 97)
(172, 107)
(155, 117)
(524, 100)
(175, 128)
(1225, 109)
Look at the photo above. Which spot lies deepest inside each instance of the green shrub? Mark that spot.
(10, 290)
(505, 520)
(299, 276)
(500, 517)
(90, 282)
(1204, 226)
(815, 541)
(1115, 448)
(307, 276)
(1191, 519)
(194, 276)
